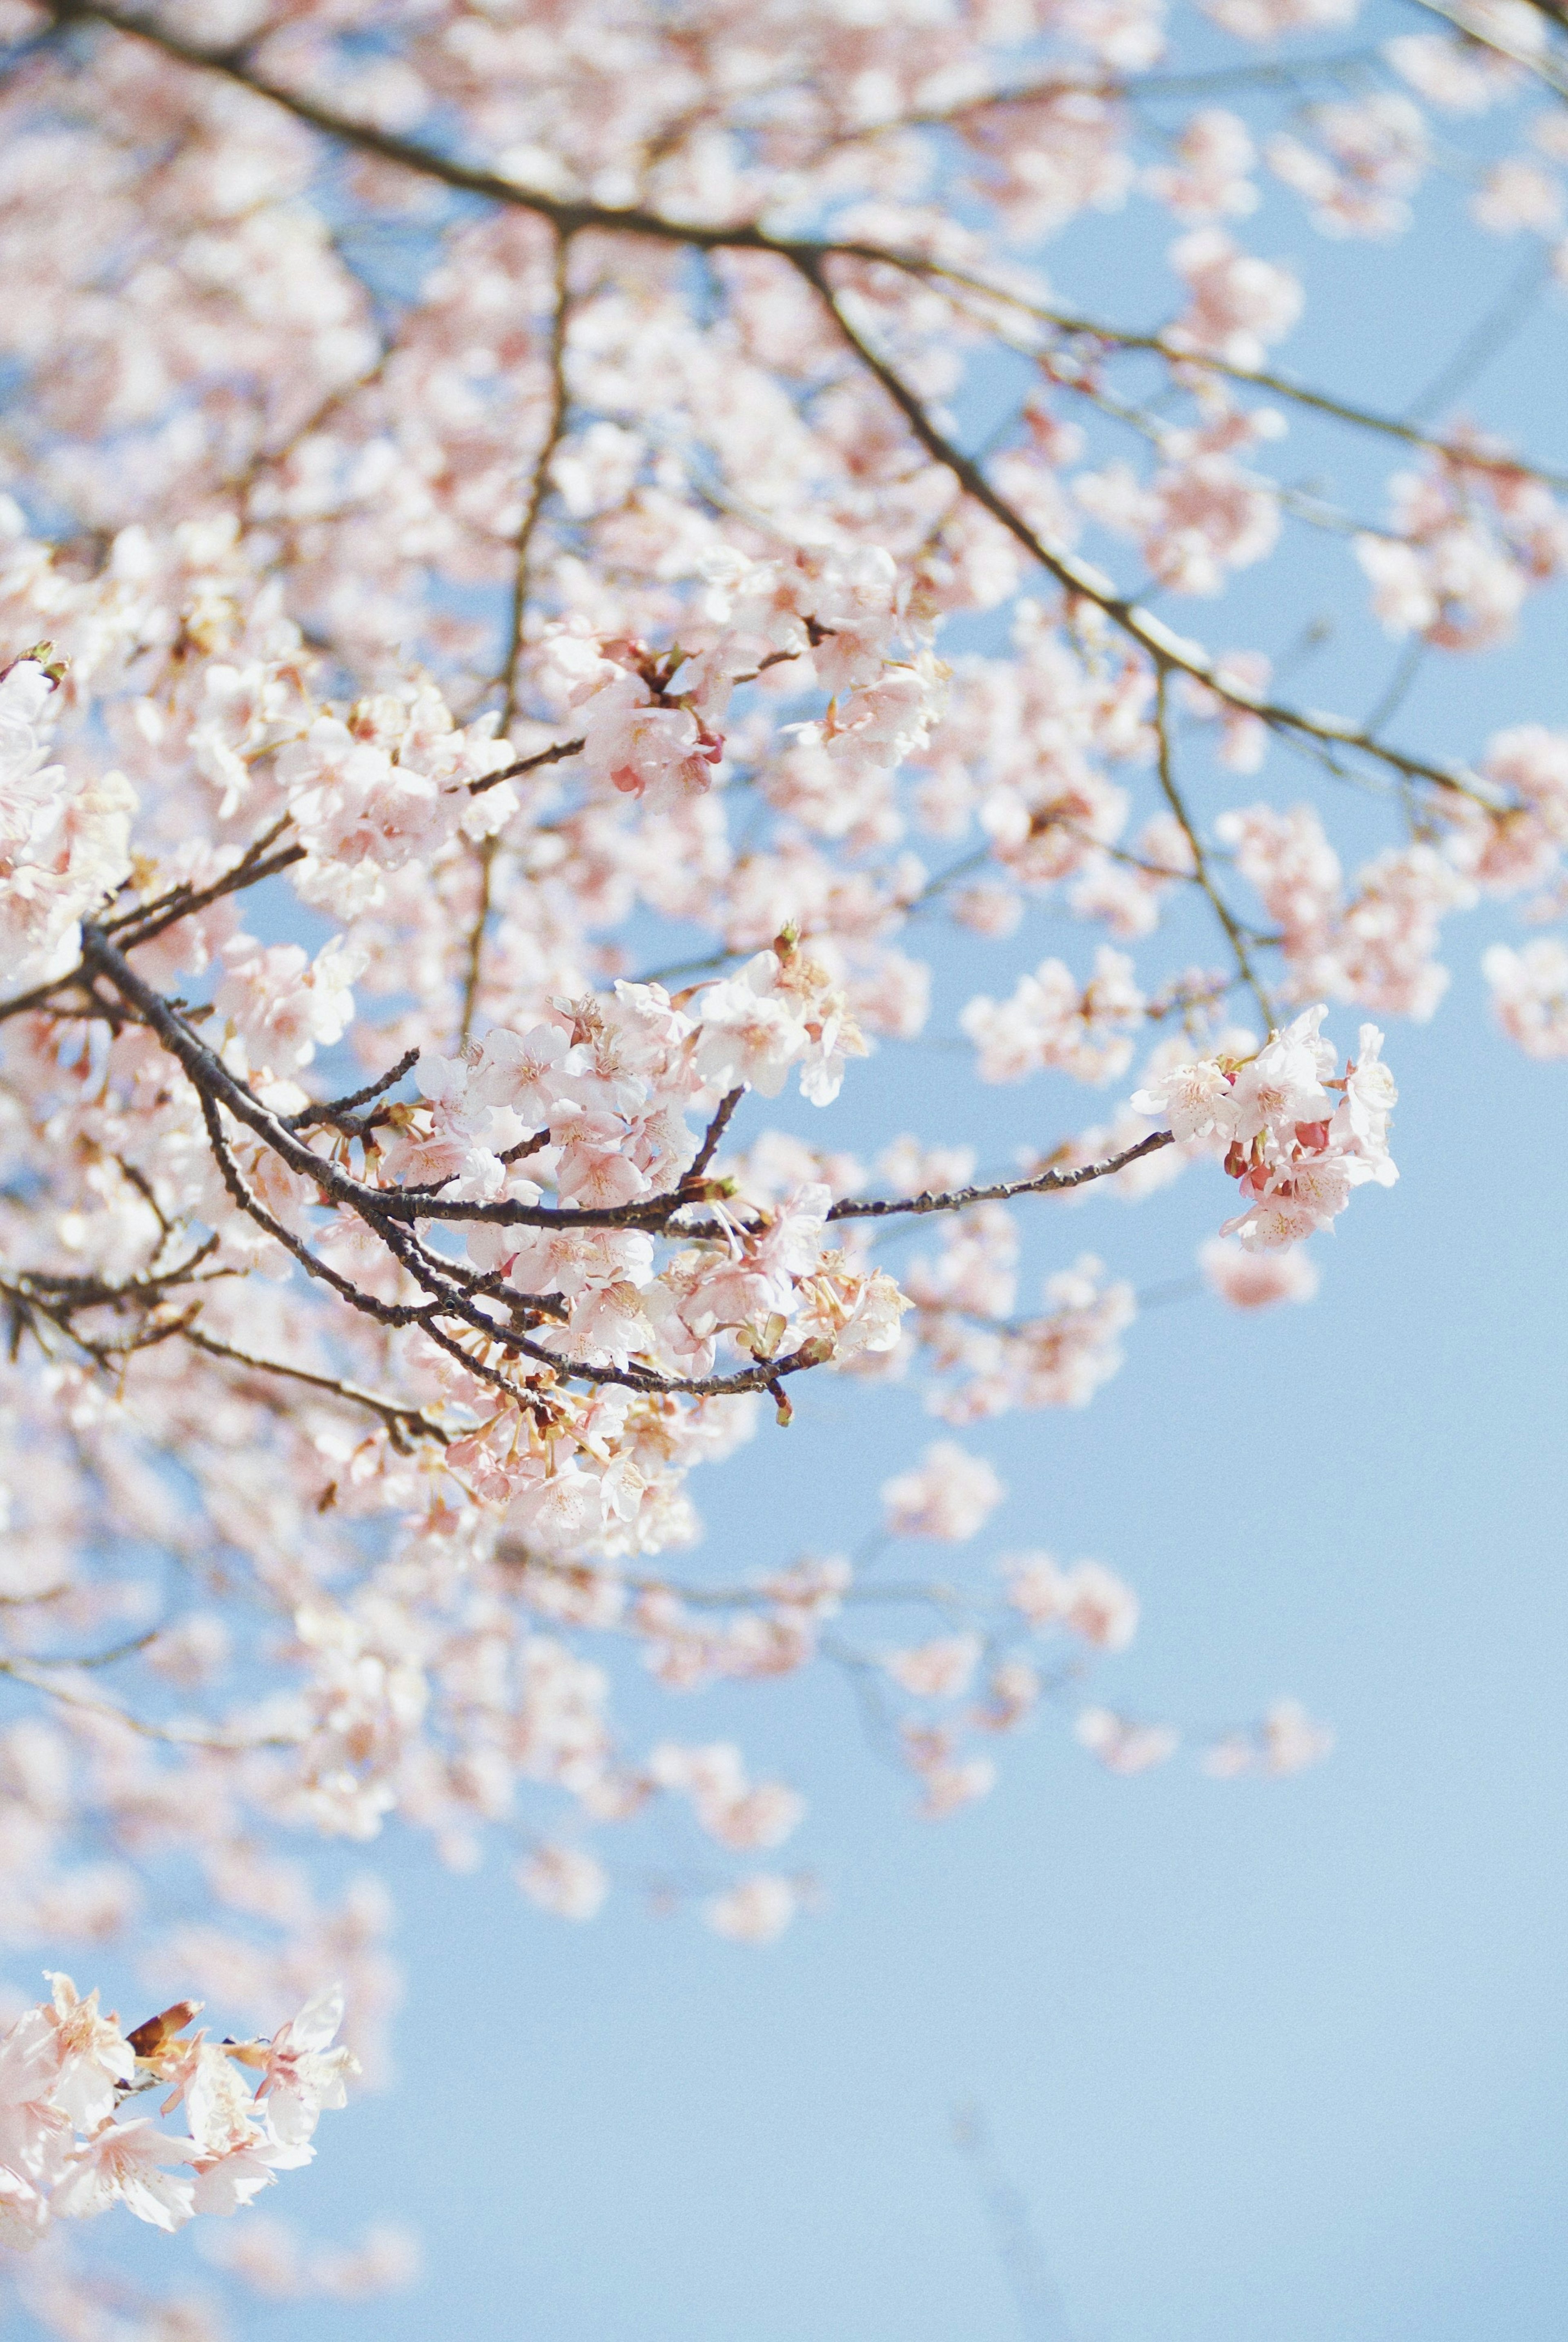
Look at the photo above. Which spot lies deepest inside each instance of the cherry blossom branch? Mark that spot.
(539, 484)
(518, 615)
(555, 755)
(340, 1111)
(1089, 585)
(442, 1281)
(451, 1291)
(59, 1301)
(243, 484)
(570, 216)
(1130, 86)
(381, 1205)
(401, 1421)
(959, 1200)
(452, 1298)
(1160, 342)
(183, 902)
(1201, 870)
(35, 1676)
(807, 255)
(144, 921)
(385, 1313)
(714, 1134)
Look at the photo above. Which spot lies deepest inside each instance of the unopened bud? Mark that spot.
(155, 2032)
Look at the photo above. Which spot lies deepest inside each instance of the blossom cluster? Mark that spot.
(64, 846)
(1295, 1136)
(67, 2072)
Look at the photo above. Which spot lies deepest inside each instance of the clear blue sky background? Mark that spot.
(1284, 2060)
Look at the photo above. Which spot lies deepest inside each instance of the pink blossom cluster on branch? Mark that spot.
(67, 2072)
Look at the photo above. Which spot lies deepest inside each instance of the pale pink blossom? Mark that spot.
(1122, 1746)
(782, 1011)
(1530, 993)
(1238, 303)
(283, 1005)
(128, 2163)
(1271, 20)
(950, 1496)
(1466, 547)
(1193, 1099)
(1519, 194)
(1211, 177)
(91, 2056)
(940, 1669)
(637, 745)
(1201, 514)
(757, 1911)
(1371, 157)
(1460, 76)
(1287, 1741)
(1087, 1600)
(1013, 1691)
(302, 2072)
(192, 1652)
(271, 2258)
(948, 1785)
(564, 1881)
(1295, 1153)
(1051, 1021)
(1054, 157)
(1252, 1280)
(227, 2181)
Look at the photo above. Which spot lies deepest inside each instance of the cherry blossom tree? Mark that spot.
(511, 642)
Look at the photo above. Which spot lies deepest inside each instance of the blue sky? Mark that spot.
(1263, 2058)
(1284, 2060)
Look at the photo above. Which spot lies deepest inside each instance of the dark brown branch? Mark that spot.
(517, 617)
(539, 484)
(1101, 338)
(959, 1200)
(1201, 871)
(382, 1207)
(385, 1313)
(139, 926)
(555, 756)
(398, 1419)
(340, 1111)
(453, 1292)
(714, 1132)
(1084, 583)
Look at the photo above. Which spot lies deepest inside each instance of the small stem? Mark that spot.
(1201, 870)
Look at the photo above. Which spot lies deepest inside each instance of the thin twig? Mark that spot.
(398, 1418)
(1087, 584)
(959, 1200)
(1201, 871)
(714, 1132)
(178, 1735)
(518, 617)
(340, 1111)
